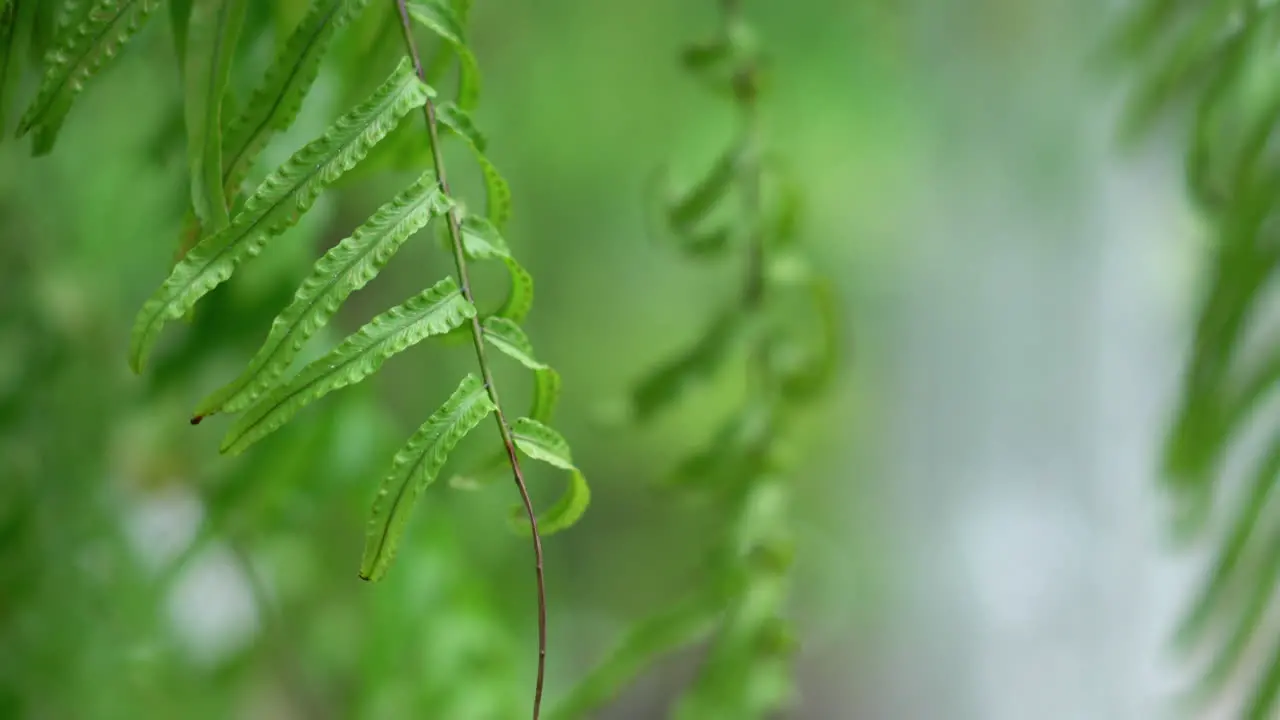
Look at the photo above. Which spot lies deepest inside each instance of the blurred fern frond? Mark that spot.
(782, 326)
(1217, 64)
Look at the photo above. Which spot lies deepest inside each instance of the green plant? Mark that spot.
(1219, 60)
(228, 224)
(782, 327)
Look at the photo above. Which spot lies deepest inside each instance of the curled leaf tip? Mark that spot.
(195, 420)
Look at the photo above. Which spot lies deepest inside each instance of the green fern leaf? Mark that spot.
(686, 623)
(345, 268)
(274, 105)
(671, 380)
(213, 29)
(440, 18)
(8, 53)
(546, 394)
(277, 204)
(544, 444)
(415, 467)
(703, 196)
(434, 311)
(497, 191)
(511, 339)
(481, 241)
(80, 54)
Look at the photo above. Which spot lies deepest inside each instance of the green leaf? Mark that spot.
(542, 443)
(497, 191)
(546, 394)
(703, 196)
(276, 205)
(434, 311)
(345, 268)
(481, 241)
(813, 374)
(214, 29)
(510, 338)
(1226, 566)
(671, 380)
(415, 467)
(80, 54)
(685, 624)
(440, 18)
(8, 48)
(274, 105)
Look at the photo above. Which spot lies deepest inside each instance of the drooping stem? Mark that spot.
(477, 339)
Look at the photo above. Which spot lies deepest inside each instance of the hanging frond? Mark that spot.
(738, 601)
(1219, 61)
(277, 205)
(81, 52)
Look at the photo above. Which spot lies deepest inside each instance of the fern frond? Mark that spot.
(1220, 59)
(276, 205)
(434, 311)
(345, 268)
(544, 444)
(212, 31)
(80, 54)
(440, 18)
(415, 467)
(274, 105)
(739, 600)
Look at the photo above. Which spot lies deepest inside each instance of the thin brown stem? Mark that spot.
(477, 339)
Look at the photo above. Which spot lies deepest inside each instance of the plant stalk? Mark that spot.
(477, 339)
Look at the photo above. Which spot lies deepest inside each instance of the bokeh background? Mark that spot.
(981, 531)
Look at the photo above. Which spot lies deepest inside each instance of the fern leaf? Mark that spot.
(546, 394)
(277, 204)
(497, 191)
(511, 339)
(544, 444)
(213, 29)
(434, 311)
(345, 268)
(439, 17)
(481, 241)
(686, 623)
(274, 105)
(415, 467)
(8, 53)
(670, 381)
(703, 196)
(80, 54)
